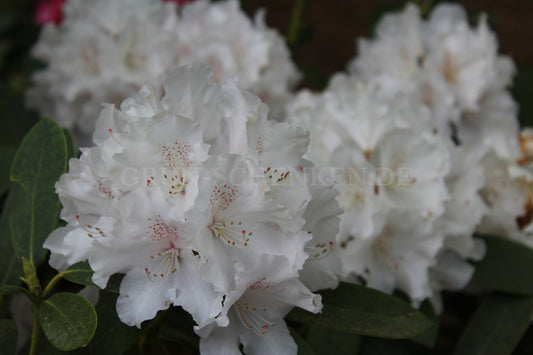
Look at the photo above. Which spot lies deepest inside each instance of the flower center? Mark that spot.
(176, 159)
(165, 233)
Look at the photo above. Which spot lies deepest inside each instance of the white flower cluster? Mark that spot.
(104, 51)
(200, 201)
(426, 134)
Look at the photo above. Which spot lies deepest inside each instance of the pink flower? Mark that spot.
(48, 11)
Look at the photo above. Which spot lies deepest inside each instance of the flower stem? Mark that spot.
(36, 333)
(296, 19)
(54, 282)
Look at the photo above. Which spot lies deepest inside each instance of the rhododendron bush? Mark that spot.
(168, 188)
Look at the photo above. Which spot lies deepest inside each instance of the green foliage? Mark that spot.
(80, 273)
(506, 267)
(38, 163)
(497, 326)
(10, 269)
(6, 157)
(68, 320)
(428, 337)
(360, 310)
(8, 337)
(326, 340)
(111, 336)
(303, 347)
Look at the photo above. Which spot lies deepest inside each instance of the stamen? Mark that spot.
(92, 232)
(231, 233)
(319, 251)
(169, 264)
(253, 318)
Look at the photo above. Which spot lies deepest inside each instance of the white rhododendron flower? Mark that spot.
(404, 188)
(104, 51)
(444, 63)
(199, 199)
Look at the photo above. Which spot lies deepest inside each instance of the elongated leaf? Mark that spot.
(6, 157)
(376, 346)
(429, 337)
(177, 327)
(329, 341)
(112, 336)
(10, 269)
(303, 347)
(360, 310)
(72, 151)
(9, 289)
(80, 273)
(506, 267)
(68, 320)
(8, 337)
(40, 160)
(497, 326)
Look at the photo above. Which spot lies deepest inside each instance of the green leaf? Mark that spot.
(72, 152)
(429, 337)
(6, 158)
(68, 320)
(112, 336)
(497, 326)
(328, 341)
(80, 273)
(177, 327)
(506, 267)
(376, 346)
(361, 310)
(38, 163)
(8, 337)
(9, 289)
(10, 268)
(303, 347)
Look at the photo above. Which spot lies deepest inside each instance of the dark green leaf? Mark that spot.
(497, 326)
(72, 151)
(506, 267)
(376, 346)
(40, 160)
(6, 157)
(9, 289)
(303, 347)
(8, 337)
(80, 273)
(177, 327)
(10, 269)
(113, 285)
(360, 310)
(429, 337)
(328, 341)
(68, 320)
(112, 336)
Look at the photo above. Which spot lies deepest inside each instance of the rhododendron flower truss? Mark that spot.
(104, 51)
(186, 214)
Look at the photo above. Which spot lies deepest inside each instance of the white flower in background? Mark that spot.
(223, 37)
(508, 194)
(194, 218)
(410, 196)
(105, 51)
(452, 68)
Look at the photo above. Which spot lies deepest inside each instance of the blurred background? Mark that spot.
(324, 43)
